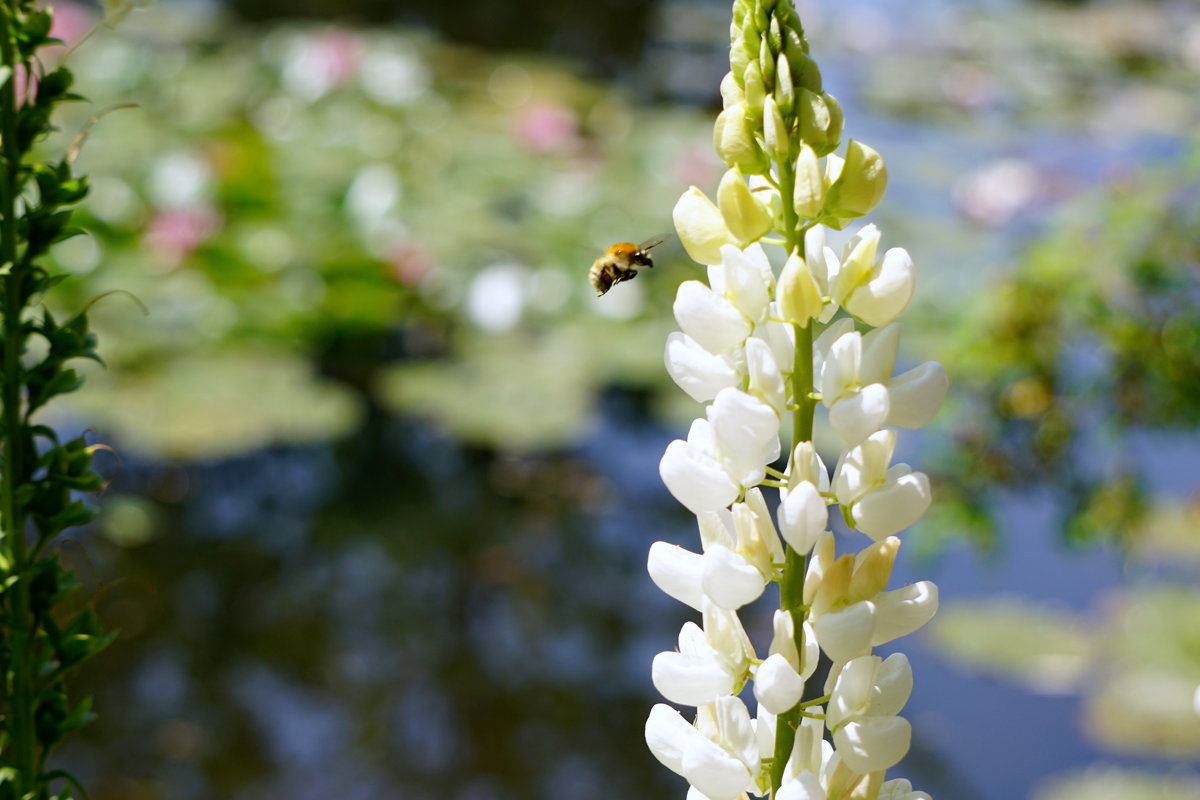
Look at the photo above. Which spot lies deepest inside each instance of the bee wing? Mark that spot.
(649, 243)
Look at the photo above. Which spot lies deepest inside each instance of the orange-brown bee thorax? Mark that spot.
(625, 249)
(635, 253)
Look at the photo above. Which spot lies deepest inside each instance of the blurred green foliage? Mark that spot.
(1092, 339)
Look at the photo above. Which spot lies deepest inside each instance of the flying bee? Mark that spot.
(620, 263)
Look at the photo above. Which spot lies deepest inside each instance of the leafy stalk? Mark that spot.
(42, 645)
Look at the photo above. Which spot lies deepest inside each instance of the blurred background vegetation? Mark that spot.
(386, 468)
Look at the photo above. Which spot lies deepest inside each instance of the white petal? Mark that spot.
(814, 256)
(766, 381)
(842, 365)
(856, 416)
(716, 527)
(902, 611)
(879, 353)
(782, 339)
(745, 284)
(677, 572)
(765, 726)
(806, 465)
(700, 226)
(737, 730)
(847, 632)
(812, 653)
(853, 690)
(668, 735)
(863, 467)
(724, 632)
(708, 318)
(777, 685)
(765, 528)
(917, 395)
(885, 296)
(697, 371)
(805, 786)
(730, 580)
(892, 507)
(825, 341)
(874, 743)
(857, 261)
(714, 772)
(802, 517)
(757, 257)
(689, 680)
(747, 433)
(893, 686)
(696, 479)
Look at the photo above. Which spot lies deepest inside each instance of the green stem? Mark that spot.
(20, 691)
(791, 587)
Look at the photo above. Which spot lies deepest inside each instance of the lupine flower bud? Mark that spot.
(766, 63)
(836, 118)
(785, 89)
(798, 295)
(815, 122)
(806, 73)
(775, 132)
(756, 91)
(744, 217)
(734, 141)
(700, 227)
(731, 91)
(861, 183)
(808, 197)
(803, 517)
(777, 685)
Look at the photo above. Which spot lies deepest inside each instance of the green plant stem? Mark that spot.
(21, 690)
(791, 587)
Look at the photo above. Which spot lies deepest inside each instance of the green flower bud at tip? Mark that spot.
(766, 63)
(861, 184)
(734, 141)
(805, 72)
(745, 217)
(731, 92)
(775, 36)
(815, 123)
(785, 90)
(756, 91)
(809, 196)
(798, 295)
(836, 119)
(700, 227)
(775, 132)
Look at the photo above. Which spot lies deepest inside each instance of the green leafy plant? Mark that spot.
(42, 475)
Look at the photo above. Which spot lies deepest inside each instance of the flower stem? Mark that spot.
(791, 587)
(20, 689)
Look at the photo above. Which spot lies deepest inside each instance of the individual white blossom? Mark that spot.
(867, 696)
(719, 755)
(710, 662)
(881, 499)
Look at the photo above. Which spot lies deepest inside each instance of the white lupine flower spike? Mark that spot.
(760, 352)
